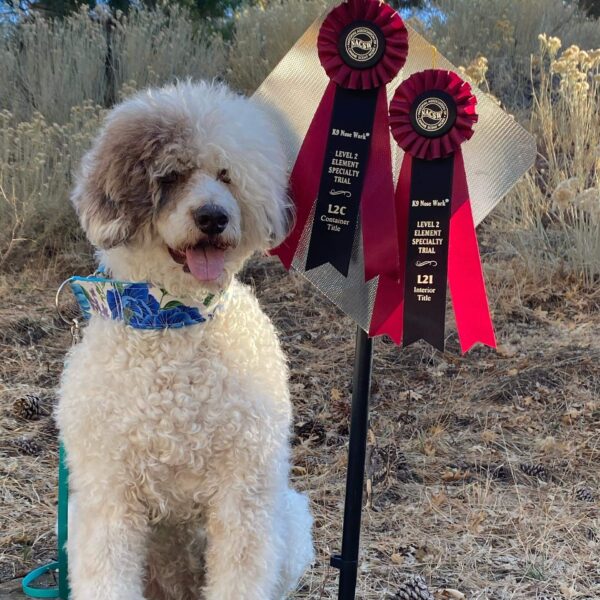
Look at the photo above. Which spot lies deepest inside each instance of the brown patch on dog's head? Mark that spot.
(119, 182)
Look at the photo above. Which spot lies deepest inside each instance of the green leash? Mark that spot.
(62, 591)
(61, 566)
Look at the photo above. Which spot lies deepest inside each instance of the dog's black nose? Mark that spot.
(211, 219)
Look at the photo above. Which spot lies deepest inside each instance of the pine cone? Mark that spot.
(27, 446)
(377, 467)
(341, 408)
(501, 472)
(414, 589)
(538, 471)
(388, 461)
(406, 419)
(585, 494)
(49, 429)
(400, 467)
(312, 429)
(28, 407)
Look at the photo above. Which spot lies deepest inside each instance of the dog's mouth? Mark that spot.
(205, 261)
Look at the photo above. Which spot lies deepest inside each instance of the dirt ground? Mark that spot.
(483, 468)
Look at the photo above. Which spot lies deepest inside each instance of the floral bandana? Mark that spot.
(139, 305)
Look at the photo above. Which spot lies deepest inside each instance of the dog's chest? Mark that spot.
(165, 409)
(171, 395)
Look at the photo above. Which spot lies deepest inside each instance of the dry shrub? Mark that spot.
(49, 66)
(263, 35)
(37, 160)
(152, 47)
(505, 32)
(552, 219)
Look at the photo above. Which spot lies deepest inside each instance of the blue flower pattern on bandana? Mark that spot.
(138, 308)
(139, 305)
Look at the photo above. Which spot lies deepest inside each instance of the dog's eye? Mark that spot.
(223, 175)
(169, 178)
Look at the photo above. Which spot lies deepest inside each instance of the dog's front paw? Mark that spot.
(242, 589)
(91, 590)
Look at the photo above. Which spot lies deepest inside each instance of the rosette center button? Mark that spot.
(361, 44)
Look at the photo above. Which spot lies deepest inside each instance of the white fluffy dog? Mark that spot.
(177, 439)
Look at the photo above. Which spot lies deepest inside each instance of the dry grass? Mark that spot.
(37, 161)
(155, 47)
(448, 436)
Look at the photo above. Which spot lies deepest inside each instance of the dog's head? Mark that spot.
(182, 185)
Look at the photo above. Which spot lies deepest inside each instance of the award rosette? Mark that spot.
(432, 114)
(343, 170)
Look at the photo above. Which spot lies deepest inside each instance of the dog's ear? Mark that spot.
(266, 206)
(113, 194)
(280, 217)
(267, 210)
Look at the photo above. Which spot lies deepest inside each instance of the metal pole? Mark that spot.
(347, 562)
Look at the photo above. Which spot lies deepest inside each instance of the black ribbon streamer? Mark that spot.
(342, 177)
(428, 229)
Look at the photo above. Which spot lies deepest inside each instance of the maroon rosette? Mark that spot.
(432, 114)
(362, 44)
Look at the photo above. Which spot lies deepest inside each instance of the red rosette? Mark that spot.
(432, 85)
(388, 44)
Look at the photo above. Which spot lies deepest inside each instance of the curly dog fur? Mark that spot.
(177, 440)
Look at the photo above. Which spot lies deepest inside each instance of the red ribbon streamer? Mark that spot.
(306, 174)
(465, 275)
(388, 312)
(377, 206)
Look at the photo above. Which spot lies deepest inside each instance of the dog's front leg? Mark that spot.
(241, 559)
(106, 550)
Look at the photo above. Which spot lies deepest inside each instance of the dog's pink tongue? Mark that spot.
(205, 263)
